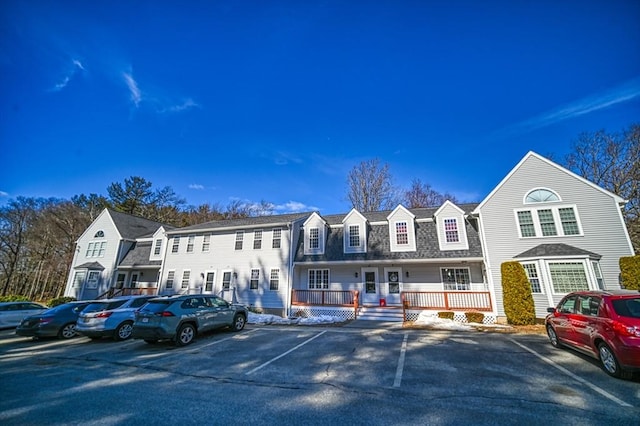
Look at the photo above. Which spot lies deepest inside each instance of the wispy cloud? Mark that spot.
(294, 207)
(606, 99)
(196, 186)
(283, 158)
(134, 91)
(185, 105)
(4, 194)
(76, 66)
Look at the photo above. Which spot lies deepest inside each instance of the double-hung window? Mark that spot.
(239, 239)
(274, 279)
(255, 278)
(206, 242)
(548, 222)
(158, 247)
(402, 233)
(186, 275)
(277, 235)
(531, 270)
(171, 276)
(314, 238)
(176, 245)
(451, 230)
(318, 279)
(257, 240)
(354, 235)
(190, 242)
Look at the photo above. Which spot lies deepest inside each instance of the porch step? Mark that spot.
(389, 314)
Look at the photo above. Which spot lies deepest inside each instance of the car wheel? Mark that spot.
(67, 331)
(553, 337)
(186, 334)
(151, 341)
(123, 332)
(610, 363)
(238, 323)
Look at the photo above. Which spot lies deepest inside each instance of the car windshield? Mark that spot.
(627, 307)
(156, 306)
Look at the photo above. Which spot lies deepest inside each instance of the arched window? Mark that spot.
(541, 195)
(99, 234)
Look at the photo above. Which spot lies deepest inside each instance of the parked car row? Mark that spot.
(604, 325)
(151, 318)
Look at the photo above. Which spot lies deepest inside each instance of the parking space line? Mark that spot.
(284, 354)
(235, 337)
(403, 350)
(575, 377)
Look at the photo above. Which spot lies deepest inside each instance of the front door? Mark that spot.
(370, 287)
(209, 279)
(393, 277)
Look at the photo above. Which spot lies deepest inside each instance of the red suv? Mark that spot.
(601, 324)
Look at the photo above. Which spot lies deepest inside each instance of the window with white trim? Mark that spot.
(78, 278)
(402, 233)
(96, 249)
(157, 248)
(255, 278)
(318, 279)
(171, 276)
(541, 195)
(206, 242)
(354, 235)
(451, 230)
(257, 239)
(314, 238)
(598, 272)
(456, 278)
(542, 222)
(176, 245)
(190, 242)
(531, 270)
(186, 276)
(99, 234)
(239, 239)
(277, 235)
(568, 276)
(208, 282)
(92, 279)
(274, 279)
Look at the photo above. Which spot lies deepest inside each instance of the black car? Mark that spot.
(59, 321)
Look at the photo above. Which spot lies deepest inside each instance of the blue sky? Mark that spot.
(279, 100)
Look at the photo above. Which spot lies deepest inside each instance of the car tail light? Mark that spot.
(46, 320)
(166, 314)
(103, 315)
(626, 330)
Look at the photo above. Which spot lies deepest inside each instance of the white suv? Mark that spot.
(110, 317)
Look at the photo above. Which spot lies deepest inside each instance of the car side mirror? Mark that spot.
(551, 310)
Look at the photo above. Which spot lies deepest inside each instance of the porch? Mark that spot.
(347, 304)
(128, 291)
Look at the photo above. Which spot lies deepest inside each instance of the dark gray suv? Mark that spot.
(181, 318)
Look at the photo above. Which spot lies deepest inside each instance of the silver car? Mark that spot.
(181, 318)
(110, 317)
(12, 313)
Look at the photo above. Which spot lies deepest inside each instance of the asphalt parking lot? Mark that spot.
(310, 375)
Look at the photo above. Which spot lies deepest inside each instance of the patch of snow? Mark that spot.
(432, 320)
(274, 319)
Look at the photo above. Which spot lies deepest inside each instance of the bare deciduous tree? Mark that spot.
(370, 187)
(611, 160)
(423, 195)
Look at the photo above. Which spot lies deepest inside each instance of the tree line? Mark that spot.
(37, 236)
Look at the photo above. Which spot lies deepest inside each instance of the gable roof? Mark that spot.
(530, 154)
(138, 255)
(132, 227)
(556, 250)
(245, 222)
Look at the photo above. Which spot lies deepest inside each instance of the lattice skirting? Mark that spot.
(309, 311)
(347, 314)
(489, 318)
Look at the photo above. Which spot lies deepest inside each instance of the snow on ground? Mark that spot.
(432, 320)
(274, 319)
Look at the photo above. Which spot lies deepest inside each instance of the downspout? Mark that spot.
(291, 267)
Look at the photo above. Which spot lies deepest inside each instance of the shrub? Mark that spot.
(630, 272)
(13, 298)
(516, 291)
(60, 300)
(477, 317)
(446, 315)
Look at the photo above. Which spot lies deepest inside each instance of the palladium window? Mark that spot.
(257, 240)
(206, 242)
(314, 238)
(190, 242)
(534, 279)
(171, 275)
(274, 279)
(226, 280)
(456, 278)
(158, 247)
(277, 235)
(176, 245)
(239, 239)
(354, 236)
(255, 277)
(402, 234)
(318, 278)
(451, 230)
(568, 276)
(185, 278)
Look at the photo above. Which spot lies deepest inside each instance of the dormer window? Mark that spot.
(451, 230)
(402, 233)
(314, 238)
(451, 227)
(158, 247)
(354, 236)
(315, 234)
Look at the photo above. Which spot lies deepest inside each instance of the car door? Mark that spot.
(204, 312)
(223, 311)
(564, 315)
(585, 321)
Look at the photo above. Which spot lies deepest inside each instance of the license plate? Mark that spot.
(145, 319)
